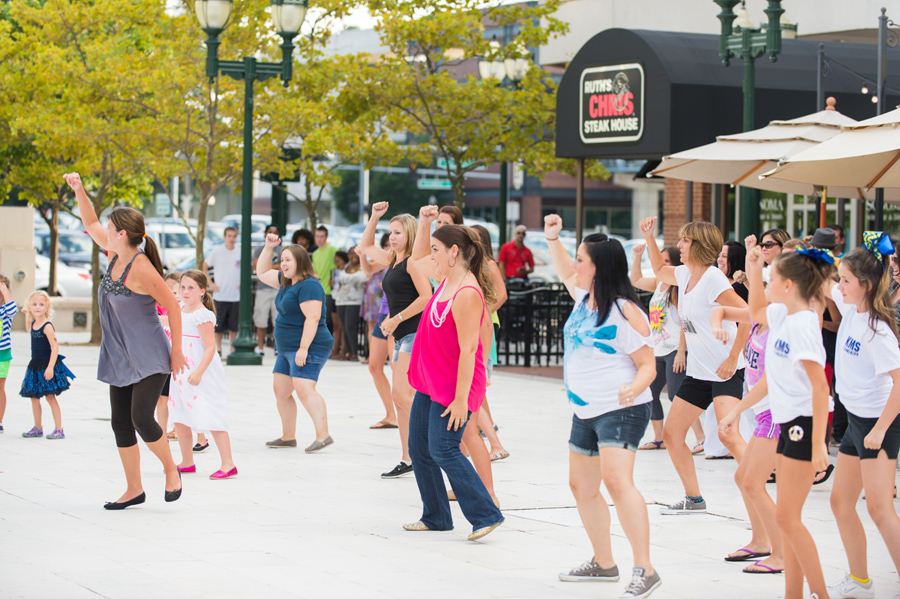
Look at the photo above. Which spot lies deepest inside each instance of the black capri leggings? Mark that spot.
(665, 377)
(132, 410)
(349, 316)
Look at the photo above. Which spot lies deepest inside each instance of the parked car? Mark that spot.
(75, 248)
(174, 241)
(70, 281)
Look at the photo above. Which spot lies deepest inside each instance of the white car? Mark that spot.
(70, 281)
(174, 241)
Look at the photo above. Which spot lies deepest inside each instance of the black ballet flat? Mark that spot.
(174, 495)
(121, 505)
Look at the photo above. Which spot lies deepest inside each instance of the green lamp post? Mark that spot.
(749, 43)
(287, 16)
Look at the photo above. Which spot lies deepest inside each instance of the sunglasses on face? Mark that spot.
(769, 244)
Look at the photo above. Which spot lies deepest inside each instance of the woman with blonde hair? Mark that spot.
(407, 291)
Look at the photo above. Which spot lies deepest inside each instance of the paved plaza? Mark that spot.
(326, 525)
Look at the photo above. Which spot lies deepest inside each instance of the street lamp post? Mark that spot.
(287, 16)
(748, 44)
(497, 70)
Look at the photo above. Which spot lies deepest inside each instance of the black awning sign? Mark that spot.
(612, 103)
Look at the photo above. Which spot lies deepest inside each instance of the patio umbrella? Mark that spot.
(741, 158)
(865, 155)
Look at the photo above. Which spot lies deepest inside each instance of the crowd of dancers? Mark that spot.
(731, 326)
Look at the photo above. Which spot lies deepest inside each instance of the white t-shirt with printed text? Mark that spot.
(665, 325)
(863, 359)
(793, 339)
(705, 353)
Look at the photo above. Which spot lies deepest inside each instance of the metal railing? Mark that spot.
(531, 324)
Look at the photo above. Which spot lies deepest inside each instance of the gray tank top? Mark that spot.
(134, 344)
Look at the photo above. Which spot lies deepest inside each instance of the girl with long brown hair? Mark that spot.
(200, 396)
(447, 370)
(135, 357)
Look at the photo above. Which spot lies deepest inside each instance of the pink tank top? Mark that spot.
(434, 363)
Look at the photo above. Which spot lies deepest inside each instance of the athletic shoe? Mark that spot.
(34, 432)
(57, 434)
(852, 589)
(401, 469)
(685, 506)
(641, 584)
(1, 428)
(201, 448)
(590, 571)
(259, 351)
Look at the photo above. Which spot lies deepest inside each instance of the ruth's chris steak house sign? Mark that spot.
(612, 103)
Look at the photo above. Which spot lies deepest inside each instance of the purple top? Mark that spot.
(755, 353)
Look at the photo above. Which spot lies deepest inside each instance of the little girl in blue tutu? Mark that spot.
(46, 375)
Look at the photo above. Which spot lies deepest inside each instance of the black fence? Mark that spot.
(531, 324)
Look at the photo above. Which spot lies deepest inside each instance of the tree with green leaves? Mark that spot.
(428, 84)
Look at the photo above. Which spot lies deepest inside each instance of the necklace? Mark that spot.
(438, 318)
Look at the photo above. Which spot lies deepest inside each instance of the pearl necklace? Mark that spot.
(437, 318)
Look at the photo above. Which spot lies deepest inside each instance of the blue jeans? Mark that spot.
(433, 448)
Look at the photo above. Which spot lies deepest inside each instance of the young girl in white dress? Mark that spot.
(199, 395)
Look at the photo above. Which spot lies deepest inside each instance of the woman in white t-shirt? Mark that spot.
(867, 363)
(608, 368)
(797, 389)
(668, 342)
(715, 372)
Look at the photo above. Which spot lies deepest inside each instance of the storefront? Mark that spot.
(641, 95)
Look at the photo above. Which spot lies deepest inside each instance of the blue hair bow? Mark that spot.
(878, 243)
(819, 255)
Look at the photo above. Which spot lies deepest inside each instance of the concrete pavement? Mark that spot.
(326, 525)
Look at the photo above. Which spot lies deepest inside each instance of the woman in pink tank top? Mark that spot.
(447, 370)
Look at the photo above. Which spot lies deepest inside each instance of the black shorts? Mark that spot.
(701, 393)
(795, 439)
(227, 314)
(858, 428)
(165, 389)
(330, 306)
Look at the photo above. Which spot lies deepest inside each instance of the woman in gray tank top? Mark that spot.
(134, 354)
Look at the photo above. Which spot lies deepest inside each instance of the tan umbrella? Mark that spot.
(742, 158)
(865, 155)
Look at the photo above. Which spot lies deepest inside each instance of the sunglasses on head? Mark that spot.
(769, 244)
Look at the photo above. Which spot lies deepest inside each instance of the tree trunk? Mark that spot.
(96, 331)
(459, 189)
(311, 207)
(54, 248)
(201, 225)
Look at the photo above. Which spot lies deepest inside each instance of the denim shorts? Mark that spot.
(765, 428)
(285, 364)
(403, 345)
(621, 428)
(376, 331)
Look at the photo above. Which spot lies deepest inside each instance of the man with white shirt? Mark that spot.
(225, 260)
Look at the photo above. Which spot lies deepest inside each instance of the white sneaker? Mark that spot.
(259, 351)
(849, 588)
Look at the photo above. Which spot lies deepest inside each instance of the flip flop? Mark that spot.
(652, 445)
(751, 555)
(500, 455)
(768, 569)
(383, 424)
(825, 474)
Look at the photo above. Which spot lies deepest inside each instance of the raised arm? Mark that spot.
(367, 243)
(757, 294)
(86, 210)
(264, 271)
(365, 265)
(637, 275)
(421, 252)
(663, 273)
(562, 261)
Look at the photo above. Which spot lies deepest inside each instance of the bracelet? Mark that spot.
(400, 316)
(554, 239)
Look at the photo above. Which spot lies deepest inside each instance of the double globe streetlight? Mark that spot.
(492, 68)
(287, 16)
